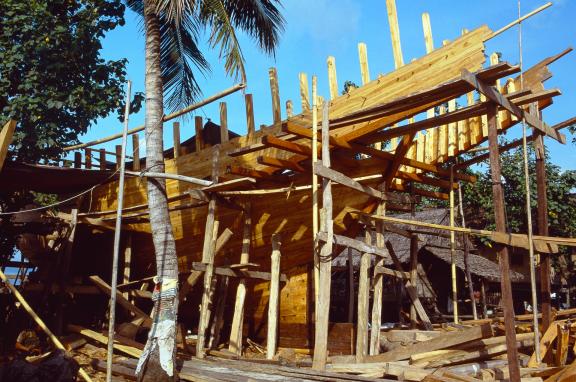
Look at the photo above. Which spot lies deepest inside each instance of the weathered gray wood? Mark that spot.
(238, 273)
(345, 241)
(363, 301)
(377, 284)
(273, 302)
(218, 322)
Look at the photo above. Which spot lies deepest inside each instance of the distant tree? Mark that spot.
(53, 80)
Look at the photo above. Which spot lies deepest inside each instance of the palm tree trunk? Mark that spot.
(158, 360)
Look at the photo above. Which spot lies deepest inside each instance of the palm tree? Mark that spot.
(172, 29)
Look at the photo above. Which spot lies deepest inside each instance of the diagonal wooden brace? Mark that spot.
(493, 95)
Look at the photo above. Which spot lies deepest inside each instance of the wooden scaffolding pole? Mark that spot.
(413, 263)
(322, 316)
(466, 254)
(315, 188)
(499, 215)
(453, 250)
(363, 303)
(117, 231)
(378, 281)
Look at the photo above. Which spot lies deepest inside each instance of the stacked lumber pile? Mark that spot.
(472, 351)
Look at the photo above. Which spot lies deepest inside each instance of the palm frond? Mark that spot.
(223, 34)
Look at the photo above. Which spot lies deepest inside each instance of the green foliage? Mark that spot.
(52, 78)
(349, 85)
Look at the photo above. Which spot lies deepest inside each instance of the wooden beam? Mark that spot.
(304, 92)
(344, 241)
(276, 110)
(77, 160)
(499, 215)
(224, 136)
(280, 163)
(250, 123)
(198, 126)
(272, 333)
(176, 135)
(363, 57)
(427, 27)
(499, 99)
(378, 286)
(135, 153)
(238, 273)
(394, 33)
(6, 139)
(363, 301)
(289, 109)
(88, 158)
(332, 79)
(293, 147)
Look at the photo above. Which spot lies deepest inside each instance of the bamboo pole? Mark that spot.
(117, 231)
(453, 249)
(38, 320)
(166, 118)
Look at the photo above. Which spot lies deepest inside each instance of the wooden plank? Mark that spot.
(293, 147)
(129, 350)
(325, 257)
(218, 322)
(88, 158)
(394, 33)
(224, 137)
(237, 273)
(496, 97)
(127, 261)
(272, 333)
(351, 293)
(363, 301)
(500, 218)
(275, 92)
(562, 344)
(6, 139)
(176, 135)
(304, 92)
(235, 344)
(363, 58)
(280, 163)
(449, 339)
(199, 140)
(332, 79)
(345, 241)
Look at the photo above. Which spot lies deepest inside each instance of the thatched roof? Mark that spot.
(437, 243)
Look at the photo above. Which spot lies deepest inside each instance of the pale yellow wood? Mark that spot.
(250, 123)
(289, 109)
(363, 301)
(272, 335)
(452, 132)
(378, 284)
(275, 92)
(427, 27)
(223, 122)
(5, 140)
(420, 148)
(304, 92)
(494, 59)
(363, 57)
(394, 33)
(442, 138)
(332, 78)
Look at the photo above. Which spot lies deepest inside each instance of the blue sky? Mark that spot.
(320, 28)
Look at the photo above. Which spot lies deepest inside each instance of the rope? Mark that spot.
(528, 205)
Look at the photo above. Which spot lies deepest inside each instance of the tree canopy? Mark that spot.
(53, 80)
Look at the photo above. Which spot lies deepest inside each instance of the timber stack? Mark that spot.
(304, 251)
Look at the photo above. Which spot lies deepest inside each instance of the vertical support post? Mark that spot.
(363, 302)
(272, 334)
(351, 292)
(453, 249)
(289, 109)
(176, 136)
(118, 155)
(199, 139)
(394, 32)
(235, 343)
(364, 69)
(304, 92)
(542, 214)
(102, 154)
(218, 321)
(315, 188)
(499, 215)
(250, 124)
(427, 27)
(6, 139)
(127, 261)
(276, 111)
(88, 158)
(207, 293)
(413, 263)
(223, 123)
(77, 159)
(378, 286)
(136, 152)
(325, 257)
(332, 79)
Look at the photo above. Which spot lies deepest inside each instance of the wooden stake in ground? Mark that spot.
(499, 215)
(272, 335)
(38, 320)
